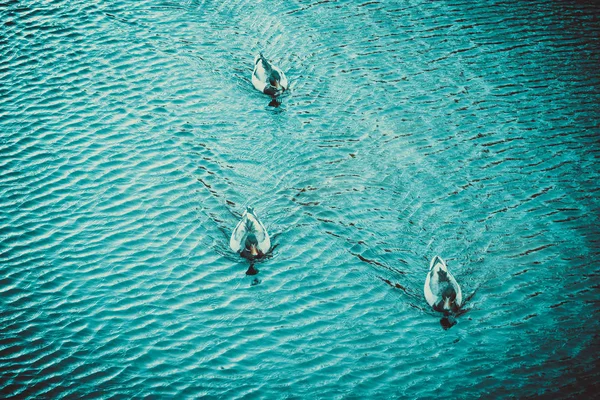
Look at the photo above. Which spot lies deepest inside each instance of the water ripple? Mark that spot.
(133, 140)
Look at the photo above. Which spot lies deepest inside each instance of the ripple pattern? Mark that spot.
(132, 140)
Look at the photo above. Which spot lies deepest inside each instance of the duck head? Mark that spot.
(275, 80)
(448, 302)
(274, 87)
(251, 245)
(448, 322)
(275, 83)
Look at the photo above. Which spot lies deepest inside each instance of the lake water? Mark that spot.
(131, 140)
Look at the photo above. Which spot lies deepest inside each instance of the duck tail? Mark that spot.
(265, 62)
(250, 210)
(258, 58)
(435, 260)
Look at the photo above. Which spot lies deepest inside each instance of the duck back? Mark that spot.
(440, 284)
(247, 225)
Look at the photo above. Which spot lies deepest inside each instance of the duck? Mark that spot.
(442, 292)
(250, 238)
(268, 78)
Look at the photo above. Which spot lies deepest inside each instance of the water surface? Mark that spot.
(132, 140)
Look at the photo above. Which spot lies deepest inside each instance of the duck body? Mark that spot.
(268, 78)
(250, 238)
(442, 292)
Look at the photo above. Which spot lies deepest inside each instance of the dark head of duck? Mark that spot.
(449, 307)
(447, 304)
(448, 321)
(251, 250)
(274, 88)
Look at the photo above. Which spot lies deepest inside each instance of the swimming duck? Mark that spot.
(441, 289)
(250, 238)
(268, 78)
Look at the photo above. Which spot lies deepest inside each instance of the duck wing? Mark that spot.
(259, 76)
(456, 287)
(431, 288)
(283, 81)
(239, 234)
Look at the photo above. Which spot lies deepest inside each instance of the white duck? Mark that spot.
(441, 289)
(250, 238)
(268, 78)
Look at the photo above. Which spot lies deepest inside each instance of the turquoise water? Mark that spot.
(131, 140)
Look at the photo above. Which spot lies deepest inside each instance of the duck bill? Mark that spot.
(253, 251)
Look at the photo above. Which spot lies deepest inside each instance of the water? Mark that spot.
(132, 140)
